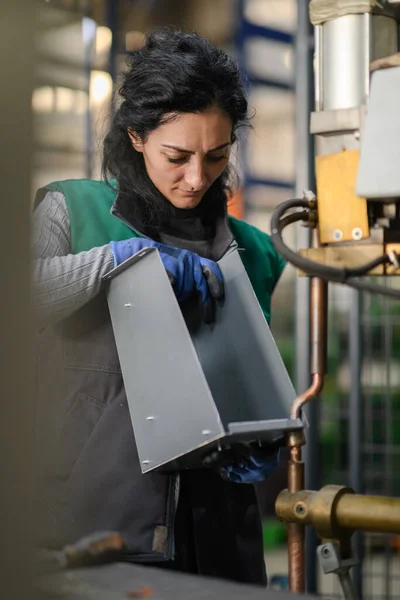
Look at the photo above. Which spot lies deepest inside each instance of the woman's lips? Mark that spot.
(190, 193)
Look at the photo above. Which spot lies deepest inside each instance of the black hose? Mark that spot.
(293, 218)
(343, 276)
(309, 266)
(373, 288)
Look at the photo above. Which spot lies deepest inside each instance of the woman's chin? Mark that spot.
(186, 202)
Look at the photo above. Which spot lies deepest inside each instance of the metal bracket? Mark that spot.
(336, 121)
(331, 561)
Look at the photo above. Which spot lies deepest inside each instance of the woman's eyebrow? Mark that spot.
(178, 149)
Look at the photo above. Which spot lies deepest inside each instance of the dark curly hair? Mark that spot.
(173, 72)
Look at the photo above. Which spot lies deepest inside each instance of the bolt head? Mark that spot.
(300, 509)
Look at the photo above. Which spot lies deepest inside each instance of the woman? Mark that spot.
(166, 166)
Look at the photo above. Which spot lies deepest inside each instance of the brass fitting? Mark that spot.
(336, 511)
(295, 438)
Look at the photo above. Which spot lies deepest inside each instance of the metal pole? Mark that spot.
(388, 326)
(348, 587)
(304, 86)
(112, 24)
(239, 44)
(296, 534)
(89, 40)
(17, 31)
(355, 431)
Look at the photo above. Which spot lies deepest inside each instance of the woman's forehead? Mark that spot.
(211, 129)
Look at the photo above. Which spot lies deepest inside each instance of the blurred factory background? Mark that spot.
(355, 426)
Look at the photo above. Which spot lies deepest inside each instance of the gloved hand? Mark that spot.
(188, 272)
(244, 463)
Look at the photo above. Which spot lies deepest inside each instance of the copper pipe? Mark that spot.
(295, 457)
(296, 532)
(297, 566)
(318, 337)
(296, 474)
(313, 390)
(319, 320)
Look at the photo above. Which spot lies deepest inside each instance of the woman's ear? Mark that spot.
(135, 140)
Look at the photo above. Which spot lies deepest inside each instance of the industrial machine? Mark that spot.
(355, 221)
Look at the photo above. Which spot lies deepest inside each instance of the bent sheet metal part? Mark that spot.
(192, 387)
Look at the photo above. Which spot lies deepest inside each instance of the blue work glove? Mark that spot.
(251, 470)
(244, 463)
(188, 272)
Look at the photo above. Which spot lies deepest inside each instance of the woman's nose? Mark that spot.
(195, 176)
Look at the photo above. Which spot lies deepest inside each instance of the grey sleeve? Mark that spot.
(62, 282)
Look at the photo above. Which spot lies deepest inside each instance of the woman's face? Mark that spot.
(183, 158)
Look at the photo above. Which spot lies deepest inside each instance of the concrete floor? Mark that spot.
(381, 576)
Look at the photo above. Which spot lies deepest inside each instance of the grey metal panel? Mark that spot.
(274, 425)
(191, 385)
(241, 362)
(171, 406)
(379, 173)
(330, 121)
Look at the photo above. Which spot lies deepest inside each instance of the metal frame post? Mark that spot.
(304, 86)
(355, 429)
(112, 23)
(89, 38)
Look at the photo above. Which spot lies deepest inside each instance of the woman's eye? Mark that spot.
(182, 159)
(216, 158)
(176, 160)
